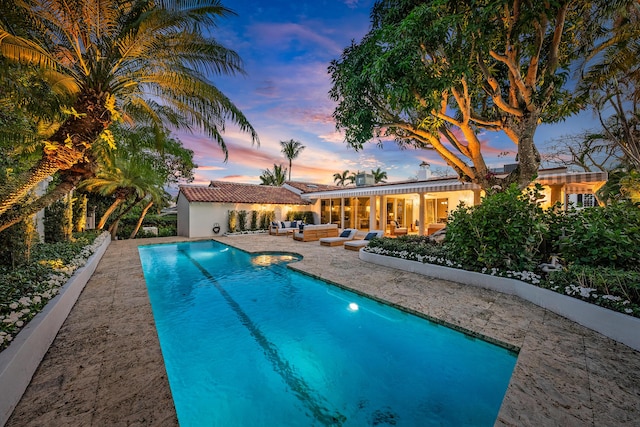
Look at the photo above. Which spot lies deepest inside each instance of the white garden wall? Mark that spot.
(19, 361)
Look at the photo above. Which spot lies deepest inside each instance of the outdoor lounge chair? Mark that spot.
(355, 245)
(347, 234)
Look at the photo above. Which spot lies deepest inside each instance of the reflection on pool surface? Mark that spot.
(248, 342)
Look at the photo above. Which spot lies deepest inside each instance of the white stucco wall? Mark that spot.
(197, 219)
(202, 217)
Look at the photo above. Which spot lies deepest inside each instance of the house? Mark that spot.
(419, 206)
(200, 208)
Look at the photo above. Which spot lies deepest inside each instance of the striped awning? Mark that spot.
(416, 187)
(582, 182)
(572, 178)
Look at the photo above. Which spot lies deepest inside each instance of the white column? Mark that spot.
(372, 213)
(421, 214)
(383, 213)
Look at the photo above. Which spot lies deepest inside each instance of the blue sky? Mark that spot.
(286, 48)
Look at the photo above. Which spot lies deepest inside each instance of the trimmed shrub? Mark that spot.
(231, 221)
(16, 243)
(607, 236)
(58, 221)
(254, 221)
(503, 232)
(79, 213)
(265, 219)
(305, 216)
(242, 220)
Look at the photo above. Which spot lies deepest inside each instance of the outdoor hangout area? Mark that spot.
(343, 213)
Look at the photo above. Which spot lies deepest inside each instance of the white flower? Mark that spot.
(13, 305)
(19, 323)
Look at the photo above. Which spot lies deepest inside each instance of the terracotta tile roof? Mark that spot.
(310, 187)
(231, 192)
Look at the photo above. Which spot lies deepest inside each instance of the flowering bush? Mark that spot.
(615, 289)
(25, 291)
(608, 287)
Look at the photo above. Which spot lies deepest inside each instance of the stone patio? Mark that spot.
(105, 366)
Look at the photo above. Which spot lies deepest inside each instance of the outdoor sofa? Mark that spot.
(282, 228)
(312, 233)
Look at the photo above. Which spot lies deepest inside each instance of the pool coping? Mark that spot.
(505, 345)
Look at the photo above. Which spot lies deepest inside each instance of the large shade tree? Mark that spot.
(435, 74)
(612, 83)
(139, 60)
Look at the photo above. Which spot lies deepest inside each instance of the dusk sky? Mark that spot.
(286, 48)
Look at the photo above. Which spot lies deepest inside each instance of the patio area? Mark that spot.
(105, 366)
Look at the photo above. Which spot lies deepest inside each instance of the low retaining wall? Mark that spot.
(19, 361)
(615, 325)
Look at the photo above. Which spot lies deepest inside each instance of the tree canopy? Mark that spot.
(343, 178)
(275, 177)
(612, 84)
(435, 74)
(142, 61)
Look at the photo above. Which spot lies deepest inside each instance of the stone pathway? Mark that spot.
(105, 366)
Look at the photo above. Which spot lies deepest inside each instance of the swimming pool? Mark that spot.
(248, 342)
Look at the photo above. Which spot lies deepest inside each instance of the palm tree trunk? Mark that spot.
(62, 189)
(17, 189)
(142, 215)
(123, 213)
(109, 211)
(114, 229)
(67, 147)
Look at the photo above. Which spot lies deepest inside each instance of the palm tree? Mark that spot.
(276, 178)
(141, 60)
(291, 150)
(379, 175)
(126, 177)
(341, 178)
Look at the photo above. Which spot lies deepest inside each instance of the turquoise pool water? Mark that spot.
(248, 342)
